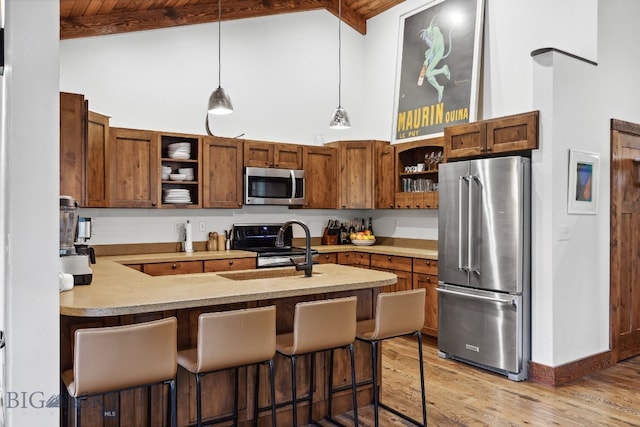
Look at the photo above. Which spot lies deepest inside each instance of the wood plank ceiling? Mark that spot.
(85, 18)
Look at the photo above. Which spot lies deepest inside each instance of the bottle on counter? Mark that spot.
(344, 237)
(352, 229)
(362, 226)
(370, 226)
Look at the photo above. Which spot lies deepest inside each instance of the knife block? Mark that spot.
(329, 239)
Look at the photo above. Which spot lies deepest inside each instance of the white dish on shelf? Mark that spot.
(165, 176)
(177, 176)
(181, 155)
(363, 242)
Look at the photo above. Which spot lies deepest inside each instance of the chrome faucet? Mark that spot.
(307, 265)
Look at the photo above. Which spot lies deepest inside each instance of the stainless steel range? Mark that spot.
(261, 238)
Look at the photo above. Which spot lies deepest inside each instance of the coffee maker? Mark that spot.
(75, 258)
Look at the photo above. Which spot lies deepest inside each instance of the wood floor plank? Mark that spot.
(462, 395)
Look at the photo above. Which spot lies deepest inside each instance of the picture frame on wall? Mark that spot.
(437, 68)
(584, 170)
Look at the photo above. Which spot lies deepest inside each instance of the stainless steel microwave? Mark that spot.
(270, 186)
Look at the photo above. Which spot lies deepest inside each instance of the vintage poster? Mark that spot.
(438, 66)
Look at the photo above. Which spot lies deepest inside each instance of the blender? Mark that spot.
(71, 261)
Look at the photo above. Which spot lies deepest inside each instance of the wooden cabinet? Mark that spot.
(179, 163)
(272, 155)
(133, 161)
(321, 177)
(425, 275)
(417, 189)
(328, 258)
(73, 145)
(514, 133)
(400, 266)
(97, 176)
(356, 173)
(170, 268)
(229, 264)
(222, 173)
(385, 182)
(354, 259)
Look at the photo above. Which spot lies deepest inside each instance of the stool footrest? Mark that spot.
(400, 414)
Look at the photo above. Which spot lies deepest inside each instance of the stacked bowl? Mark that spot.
(179, 150)
(187, 172)
(166, 170)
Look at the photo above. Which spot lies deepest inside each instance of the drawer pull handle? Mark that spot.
(174, 266)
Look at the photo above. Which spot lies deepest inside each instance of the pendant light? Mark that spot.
(219, 102)
(340, 118)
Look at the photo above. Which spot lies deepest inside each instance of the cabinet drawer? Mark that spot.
(135, 266)
(214, 265)
(331, 258)
(354, 258)
(391, 262)
(168, 268)
(425, 266)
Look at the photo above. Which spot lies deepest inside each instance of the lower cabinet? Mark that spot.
(169, 268)
(354, 259)
(213, 265)
(400, 266)
(425, 275)
(328, 258)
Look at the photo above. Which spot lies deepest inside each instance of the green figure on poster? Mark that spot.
(434, 39)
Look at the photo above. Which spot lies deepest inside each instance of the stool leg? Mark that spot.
(235, 397)
(293, 390)
(424, 395)
(311, 388)
(149, 405)
(198, 402)
(256, 395)
(374, 366)
(273, 393)
(330, 403)
(174, 403)
(353, 385)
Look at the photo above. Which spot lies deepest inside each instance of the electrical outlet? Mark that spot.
(563, 232)
(202, 226)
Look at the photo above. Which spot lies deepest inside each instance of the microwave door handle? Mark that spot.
(293, 184)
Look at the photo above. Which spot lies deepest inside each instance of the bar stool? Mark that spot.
(118, 358)
(397, 314)
(233, 339)
(320, 326)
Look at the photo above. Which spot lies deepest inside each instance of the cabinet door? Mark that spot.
(385, 183)
(513, 133)
(133, 158)
(321, 177)
(430, 284)
(356, 175)
(356, 259)
(404, 200)
(214, 265)
(222, 173)
(258, 154)
(98, 161)
(73, 143)
(465, 140)
(287, 156)
(328, 258)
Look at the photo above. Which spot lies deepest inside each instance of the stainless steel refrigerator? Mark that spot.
(484, 263)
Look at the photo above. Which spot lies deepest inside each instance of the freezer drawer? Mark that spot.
(484, 328)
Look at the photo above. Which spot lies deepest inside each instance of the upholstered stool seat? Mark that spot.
(233, 339)
(320, 326)
(397, 314)
(117, 358)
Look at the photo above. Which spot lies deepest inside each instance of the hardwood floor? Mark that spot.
(462, 395)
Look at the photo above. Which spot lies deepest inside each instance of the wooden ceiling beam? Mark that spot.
(127, 21)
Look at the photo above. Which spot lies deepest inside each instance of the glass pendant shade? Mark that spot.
(219, 102)
(340, 119)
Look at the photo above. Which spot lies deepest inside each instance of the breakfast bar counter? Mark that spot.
(121, 295)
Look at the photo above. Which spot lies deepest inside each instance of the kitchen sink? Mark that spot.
(264, 274)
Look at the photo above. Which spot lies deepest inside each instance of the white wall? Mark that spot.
(30, 138)
(284, 89)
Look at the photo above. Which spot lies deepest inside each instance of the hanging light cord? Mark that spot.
(339, 53)
(219, 43)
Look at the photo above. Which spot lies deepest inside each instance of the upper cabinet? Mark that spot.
(502, 135)
(180, 175)
(73, 146)
(321, 177)
(356, 173)
(417, 173)
(272, 155)
(385, 177)
(222, 173)
(134, 169)
(97, 182)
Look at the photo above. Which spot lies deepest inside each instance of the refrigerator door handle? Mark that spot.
(479, 297)
(471, 266)
(461, 266)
